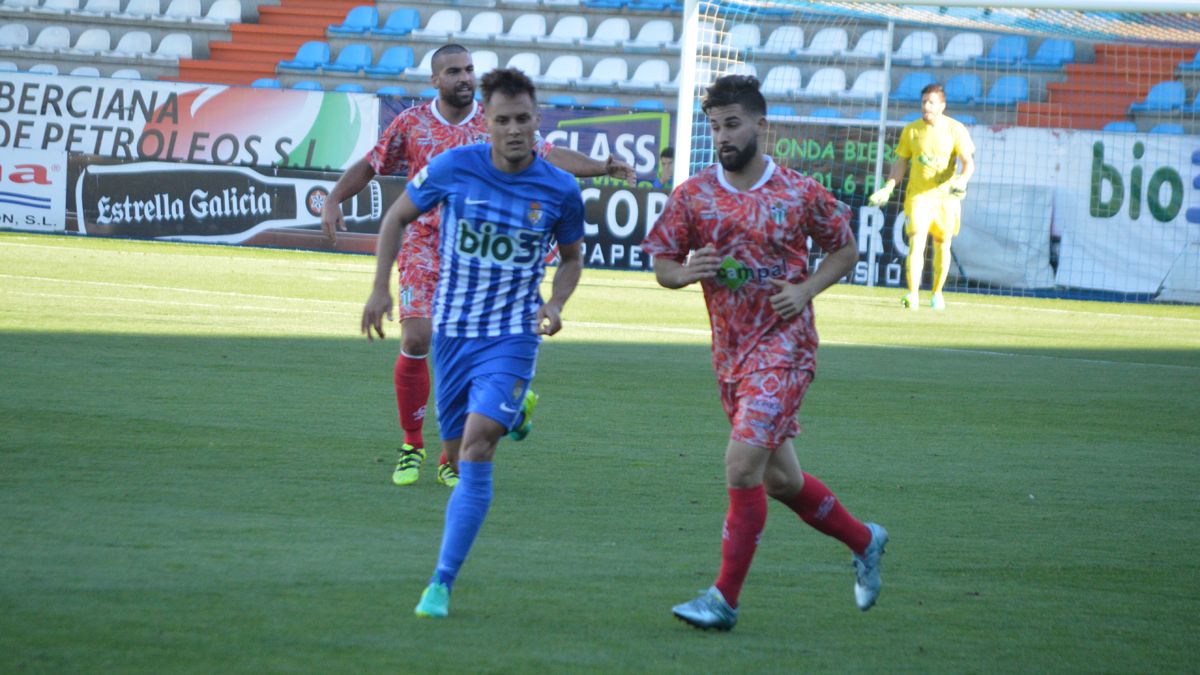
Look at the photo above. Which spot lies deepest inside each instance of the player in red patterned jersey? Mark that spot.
(416, 136)
(746, 224)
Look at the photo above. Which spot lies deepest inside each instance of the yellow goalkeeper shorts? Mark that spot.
(937, 214)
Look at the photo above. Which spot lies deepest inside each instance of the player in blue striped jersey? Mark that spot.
(502, 210)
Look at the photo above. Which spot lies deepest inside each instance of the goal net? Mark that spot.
(1086, 126)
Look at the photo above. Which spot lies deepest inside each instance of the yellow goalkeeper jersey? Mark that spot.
(932, 153)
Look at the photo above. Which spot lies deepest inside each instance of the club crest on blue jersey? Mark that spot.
(535, 213)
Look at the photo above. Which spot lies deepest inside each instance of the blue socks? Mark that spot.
(465, 511)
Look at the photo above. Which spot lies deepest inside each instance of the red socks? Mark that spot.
(744, 524)
(412, 394)
(818, 507)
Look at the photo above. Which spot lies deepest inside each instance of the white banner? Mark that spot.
(216, 124)
(33, 190)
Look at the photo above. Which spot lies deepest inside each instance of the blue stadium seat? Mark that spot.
(1008, 50)
(310, 56)
(428, 92)
(604, 102)
(605, 4)
(392, 63)
(399, 23)
(1008, 90)
(308, 85)
(350, 88)
(964, 88)
(827, 113)
(869, 114)
(1162, 97)
(352, 59)
(1193, 65)
(966, 119)
(910, 87)
(393, 90)
(1169, 128)
(910, 117)
(1052, 54)
(266, 83)
(781, 111)
(1195, 106)
(562, 101)
(358, 20)
(649, 105)
(1121, 126)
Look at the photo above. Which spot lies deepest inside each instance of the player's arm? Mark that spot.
(351, 183)
(566, 278)
(701, 264)
(581, 166)
(895, 176)
(793, 298)
(402, 212)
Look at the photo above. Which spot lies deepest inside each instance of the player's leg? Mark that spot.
(418, 281)
(917, 229)
(942, 231)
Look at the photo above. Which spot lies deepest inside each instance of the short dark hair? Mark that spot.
(446, 50)
(667, 153)
(508, 81)
(934, 88)
(735, 90)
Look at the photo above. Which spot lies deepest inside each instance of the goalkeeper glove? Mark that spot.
(880, 196)
(958, 187)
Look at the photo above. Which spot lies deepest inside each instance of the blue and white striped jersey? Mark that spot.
(496, 231)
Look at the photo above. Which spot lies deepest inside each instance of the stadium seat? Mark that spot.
(1194, 107)
(827, 42)
(872, 114)
(648, 5)
(607, 73)
(8, 67)
(1193, 65)
(605, 102)
(966, 119)
(14, 35)
(85, 71)
(358, 20)
(784, 40)
(527, 62)
(781, 81)
(656, 34)
(1052, 54)
(310, 56)
(43, 69)
(127, 74)
(910, 117)
(525, 29)
(92, 41)
(1121, 126)
(392, 90)
(781, 111)
(423, 69)
(569, 30)
(392, 63)
(56, 7)
(352, 58)
(350, 88)
(650, 75)
(428, 93)
(141, 9)
(266, 83)
(825, 113)
(868, 85)
(872, 45)
(133, 43)
(440, 25)
(1162, 97)
(20, 4)
(739, 68)
(399, 23)
(919, 46)
(101, 7)
(1007, 90)
(307, 85)
(1008, 50)
(612, 32)
(174, 46)
(485, 61)
(563, 71)
(483, 26)
(605, 4)
(962, 48)
(743, 36)
(826, 82)
(649, 105)
(964, 88)
(1169, 128)
(561, 3)
(182, 10)
(52, 38)
(562, 101)
(909, 89)
(224, 11)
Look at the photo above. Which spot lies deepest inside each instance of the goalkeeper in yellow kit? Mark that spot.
(934, 145)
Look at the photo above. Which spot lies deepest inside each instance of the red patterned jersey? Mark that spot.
(761, 234)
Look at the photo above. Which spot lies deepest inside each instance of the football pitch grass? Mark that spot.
(197, 444)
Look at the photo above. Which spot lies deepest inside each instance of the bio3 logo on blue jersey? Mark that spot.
(486, 243)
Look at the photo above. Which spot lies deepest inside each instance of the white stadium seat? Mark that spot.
(962, 48)
(14, 35)
(174, 46)
(101, 7)
(52, 38)
(93, 41)
(873, 44)
(784, 40)
(440, 25)
(424, 68)
(526, 62)
(485, 61)
(781, 81)
(57, 6)
(568, 30)
(224, 11)
(86, 71)
(827, 42)
(612, 32)
(525, 29)
(745, 36)
(133, 43)
(127, 74)
(607, 73)
(562, 71)
(916, 46)
(142, 8)
(650, 75)
(826, 82)
(182, 10)
(870, 84)
(483, 26)
(656, 34)
(44, 69)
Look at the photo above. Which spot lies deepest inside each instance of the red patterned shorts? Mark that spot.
(762, 406)
(418, 267)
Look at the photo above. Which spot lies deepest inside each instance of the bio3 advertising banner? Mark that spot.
(175, 121)
(33, 190)
(217, 204)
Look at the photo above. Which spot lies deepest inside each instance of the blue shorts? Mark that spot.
(484, 375)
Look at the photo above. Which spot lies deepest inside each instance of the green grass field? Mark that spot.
(196, 448)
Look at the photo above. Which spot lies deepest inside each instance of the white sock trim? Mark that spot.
(413, 356)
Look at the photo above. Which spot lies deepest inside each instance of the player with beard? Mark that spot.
(746, 223)
(416, 136)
